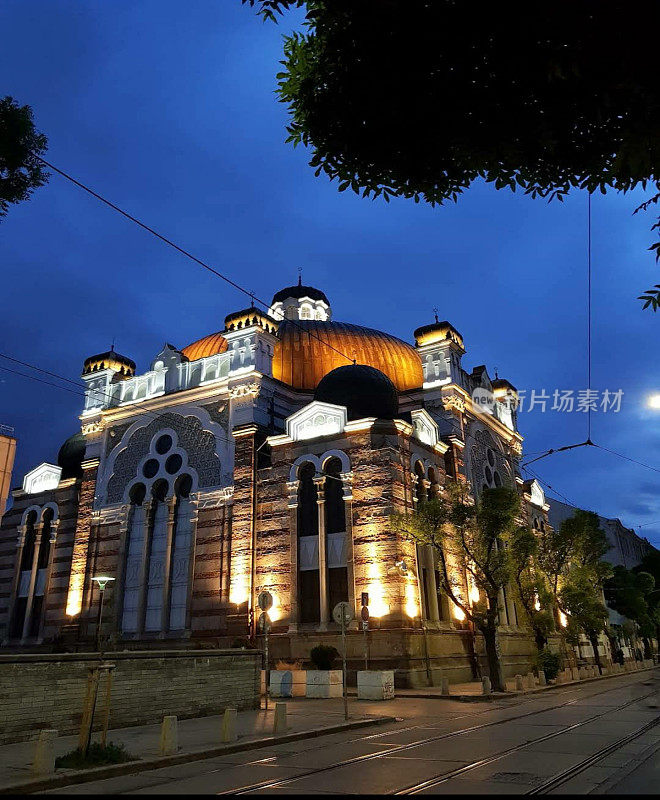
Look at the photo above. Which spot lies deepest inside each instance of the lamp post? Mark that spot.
(103, 581)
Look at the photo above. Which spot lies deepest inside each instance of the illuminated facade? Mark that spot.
(261, 457)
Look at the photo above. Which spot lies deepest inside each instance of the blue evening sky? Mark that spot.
(168, 109)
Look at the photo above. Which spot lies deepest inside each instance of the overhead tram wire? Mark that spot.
(311, 334)
(183, 251)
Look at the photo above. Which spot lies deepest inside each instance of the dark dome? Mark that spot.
(365, 391)
(110, 360)
(71, 456)
(298, 292)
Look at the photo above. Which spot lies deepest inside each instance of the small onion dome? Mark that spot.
(298, 292)
(71, 456)
(502, 387)
(365, 391)
(437, 331)
(209, 345)
(248, 317)
(110, 360)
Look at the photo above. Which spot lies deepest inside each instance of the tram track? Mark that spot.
(431, 783)
(277, 783)
(568, 774)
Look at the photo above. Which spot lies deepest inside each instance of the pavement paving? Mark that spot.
(422, 739)
(195, 734)
(508, 746)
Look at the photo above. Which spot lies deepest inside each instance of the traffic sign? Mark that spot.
(342, 612)
(364, 613)
(265, 600)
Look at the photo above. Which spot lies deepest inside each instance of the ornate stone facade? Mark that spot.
(216, 475)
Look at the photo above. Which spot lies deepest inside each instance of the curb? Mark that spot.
(143, 765)
(489, 698)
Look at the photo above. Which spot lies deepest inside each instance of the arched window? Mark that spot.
(158, 552)
(308, 518)
(134, 569)
(308, 545)
(43, 558)
(420, 488)
(181, 545)
(434, 486)
(24, 575)
(335, 526)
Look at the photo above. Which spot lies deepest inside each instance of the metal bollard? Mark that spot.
(279, 722)
(485, 685)
(44, 753)
(520, 686)
(229, 725)
(444, 687)
(169, 736)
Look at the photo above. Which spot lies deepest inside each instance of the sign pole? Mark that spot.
(342, 614)
(343, 652)
(267, 670)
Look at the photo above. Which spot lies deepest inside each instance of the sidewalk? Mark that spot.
(474, 690)
(199, 734)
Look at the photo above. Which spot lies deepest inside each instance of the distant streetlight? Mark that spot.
(653, 401)
(103, 581)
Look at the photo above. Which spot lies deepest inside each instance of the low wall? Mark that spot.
(48, 691)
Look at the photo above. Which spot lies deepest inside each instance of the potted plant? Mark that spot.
(288, 679)
(324, 681)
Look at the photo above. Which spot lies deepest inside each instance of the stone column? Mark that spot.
(38, 529)
(149, 506)
(323, 561)
(82, 537)
(433, 610)
(292, 504)
(347, 483)
(167, 565)
(413, 489)
(16, 580)
(49, 571)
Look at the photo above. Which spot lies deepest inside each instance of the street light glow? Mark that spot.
(653, 401)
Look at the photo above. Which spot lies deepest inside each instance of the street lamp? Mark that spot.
(103, 581)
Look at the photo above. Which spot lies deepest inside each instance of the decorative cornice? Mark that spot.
(244, 390)
(214, 498)
(110, 515)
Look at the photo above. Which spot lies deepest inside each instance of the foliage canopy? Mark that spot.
(20, 171)
(419, 98)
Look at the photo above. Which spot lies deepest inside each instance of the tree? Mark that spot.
(571, 560)
(630, 593)
(531, 585)
(20, 143)
(470, 539)
(580, 600)
(420, 98)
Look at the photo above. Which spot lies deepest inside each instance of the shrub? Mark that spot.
(549, 662)
(323, 656)
(97, 756)
(242, 644)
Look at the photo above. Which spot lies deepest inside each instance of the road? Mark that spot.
(602, 737)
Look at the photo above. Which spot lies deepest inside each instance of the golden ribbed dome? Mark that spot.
(207, 346)
(302, 357)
